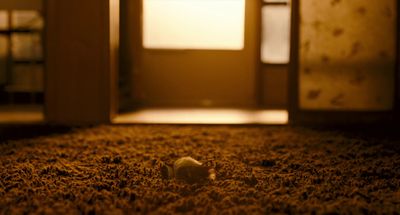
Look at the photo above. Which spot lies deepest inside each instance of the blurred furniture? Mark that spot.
(21, 28)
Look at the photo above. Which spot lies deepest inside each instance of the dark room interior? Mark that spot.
(199, 107)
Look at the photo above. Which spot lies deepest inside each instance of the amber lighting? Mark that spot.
(21, 114)
(193, 24)
(204, 116)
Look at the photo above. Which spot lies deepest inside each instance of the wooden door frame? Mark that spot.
(81, 52)
(304, 117)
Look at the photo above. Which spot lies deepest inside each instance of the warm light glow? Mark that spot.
(3, 20)
(271, 117)
(276, 1)
(3, 48)
(275, 46)
(205, 116)
(27, 19)
(25, 114)
(193, 24)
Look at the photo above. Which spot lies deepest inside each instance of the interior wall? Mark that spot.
(175, 78)
(274, 86)
(355, 69)
(21, 4)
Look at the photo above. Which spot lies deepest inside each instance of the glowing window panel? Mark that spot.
(3, 20)
(275, 47)
(26, 46)
(193, 24)
(3, 47)
(276, 1)
(27, 19)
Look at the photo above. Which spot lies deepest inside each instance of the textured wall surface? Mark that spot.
(347, 54)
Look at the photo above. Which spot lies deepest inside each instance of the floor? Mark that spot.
(21, 114)
(34, 114)
(204, 116)
(259, 170)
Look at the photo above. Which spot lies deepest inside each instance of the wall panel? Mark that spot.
(347, 55)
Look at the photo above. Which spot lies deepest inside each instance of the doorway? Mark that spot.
(194, 66)
(198, 58)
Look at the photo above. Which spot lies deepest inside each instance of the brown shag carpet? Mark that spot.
(260, 170)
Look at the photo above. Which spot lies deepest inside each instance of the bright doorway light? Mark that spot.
(194, 24)
(204, 116)
(275, 47)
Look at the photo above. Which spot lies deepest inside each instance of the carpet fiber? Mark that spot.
(116, 169)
